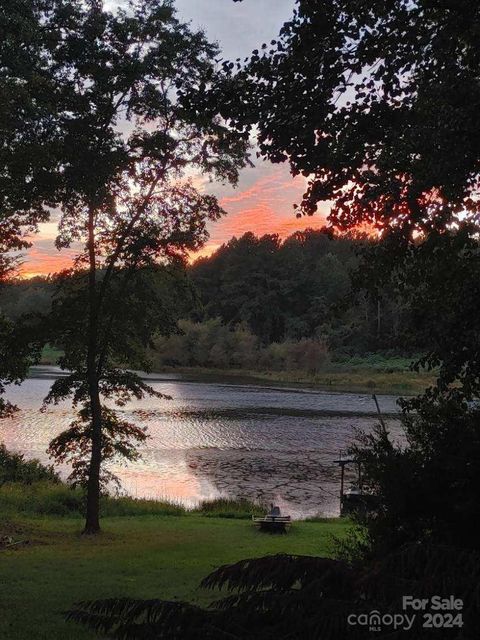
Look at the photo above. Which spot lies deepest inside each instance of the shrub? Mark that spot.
(240, 508)
(14, 468)
(212, 344)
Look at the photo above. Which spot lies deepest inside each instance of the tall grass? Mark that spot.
(58, 499)
(239, 508)
(46, 498)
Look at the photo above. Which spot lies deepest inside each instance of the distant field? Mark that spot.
(140, 557)
(364, 375)
(50, 355)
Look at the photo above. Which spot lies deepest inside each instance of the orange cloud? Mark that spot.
(44, 261)
(264, 205)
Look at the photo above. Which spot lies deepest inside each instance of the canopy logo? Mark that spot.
(433, 613)
(375, 621)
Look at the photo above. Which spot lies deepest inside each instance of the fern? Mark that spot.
(287, 597)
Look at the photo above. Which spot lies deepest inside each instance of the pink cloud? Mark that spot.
(264, 206)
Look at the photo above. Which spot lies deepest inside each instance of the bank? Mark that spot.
(374, 373)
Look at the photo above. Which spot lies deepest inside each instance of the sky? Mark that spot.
(263, 200)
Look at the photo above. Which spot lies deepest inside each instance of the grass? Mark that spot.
(336, 377)
(47, 498)
(150, 556)
(226, 508)
(50, 355)
(58, 499)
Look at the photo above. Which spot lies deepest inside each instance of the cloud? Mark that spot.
(265, 206)
(43, 258)
(262, 203)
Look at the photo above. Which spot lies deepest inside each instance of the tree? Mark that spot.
(132, 315)
(376, 104)
(29, 125)
(301, 288)
(20, 347)
(136, 131)
(425, 489)
(386, 130)
(29, 151)
(385, 126)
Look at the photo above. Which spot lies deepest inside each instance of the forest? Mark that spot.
(262, 303)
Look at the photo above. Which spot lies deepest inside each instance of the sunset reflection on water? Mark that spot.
(212, 440)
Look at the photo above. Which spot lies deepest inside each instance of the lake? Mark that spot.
(269, 443)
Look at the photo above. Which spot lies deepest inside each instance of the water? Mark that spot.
(271, 443)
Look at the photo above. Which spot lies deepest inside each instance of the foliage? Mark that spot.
(135, 133)
(30, 130)
(211, 344)
(157, 291)
(385, 131)
(302, 288)
(14, 468)
(230, 508)
(20, 297)
(20, 347)
(310, 295)
(438, 281)
(44, 497)
(279, 289)
(74, 446)
(30, 141)
(426, 490)
(284, 596)
(385, 127)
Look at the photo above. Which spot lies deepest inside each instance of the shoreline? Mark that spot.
(335, 379)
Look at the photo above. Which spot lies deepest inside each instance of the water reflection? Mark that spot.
(274, 444)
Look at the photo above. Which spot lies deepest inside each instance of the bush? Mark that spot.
(14, 468)
(427, 490)
(211, 344)
(41, 498)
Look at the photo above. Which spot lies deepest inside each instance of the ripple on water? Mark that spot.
(216, 440)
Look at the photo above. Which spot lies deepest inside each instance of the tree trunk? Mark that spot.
(379, 318)
(92, 523)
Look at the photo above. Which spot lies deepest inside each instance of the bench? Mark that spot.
(272, 523)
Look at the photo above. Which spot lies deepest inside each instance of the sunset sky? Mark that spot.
(263, 200)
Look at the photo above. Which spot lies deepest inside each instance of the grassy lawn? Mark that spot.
(141, 557)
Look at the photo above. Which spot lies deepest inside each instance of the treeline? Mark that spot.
(264, 302)
(300, 288)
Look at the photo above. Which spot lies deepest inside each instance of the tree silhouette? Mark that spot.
(30, 148)
(375, 104)
(136, 131)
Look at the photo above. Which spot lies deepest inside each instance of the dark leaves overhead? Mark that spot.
(376, 103)
(31, 84)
